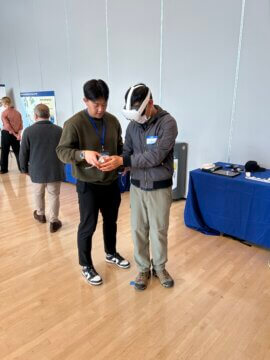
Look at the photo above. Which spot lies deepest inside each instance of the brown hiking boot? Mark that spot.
(141, 280)
(54, 226)
(164, 277)
(40, 218)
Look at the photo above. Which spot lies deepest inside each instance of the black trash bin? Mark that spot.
(180, 171)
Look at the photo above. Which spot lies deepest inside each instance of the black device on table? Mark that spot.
(224, 172)
(212, 169)
(229, 170)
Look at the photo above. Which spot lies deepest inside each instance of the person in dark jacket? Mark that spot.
(38, 159)
(148, 151)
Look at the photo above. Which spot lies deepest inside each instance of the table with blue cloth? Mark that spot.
(233, 206)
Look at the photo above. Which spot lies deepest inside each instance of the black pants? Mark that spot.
(93, 198)
(8, 140)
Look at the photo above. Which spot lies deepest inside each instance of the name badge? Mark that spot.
(151, 140)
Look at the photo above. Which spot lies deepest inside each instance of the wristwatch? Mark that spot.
(82, 155)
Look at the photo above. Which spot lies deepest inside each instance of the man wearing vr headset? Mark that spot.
(88, 138)
(148, 151)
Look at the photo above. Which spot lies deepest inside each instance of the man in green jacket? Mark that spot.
(88, 138)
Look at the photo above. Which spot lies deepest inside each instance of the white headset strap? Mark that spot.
(128, 103)
(144, 103)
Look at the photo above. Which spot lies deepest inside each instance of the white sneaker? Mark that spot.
(91, 275)
(118, 260)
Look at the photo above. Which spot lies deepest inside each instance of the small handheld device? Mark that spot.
(103, 156)
(101, 160)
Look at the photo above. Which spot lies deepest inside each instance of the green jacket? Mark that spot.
(79, 134)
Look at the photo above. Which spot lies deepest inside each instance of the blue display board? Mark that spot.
(31, 99)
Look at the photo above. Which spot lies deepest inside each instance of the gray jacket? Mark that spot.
(148, 150)
(37, 153)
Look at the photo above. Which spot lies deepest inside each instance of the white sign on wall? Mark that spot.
(2, 94)
(175, 172)
(2, 90)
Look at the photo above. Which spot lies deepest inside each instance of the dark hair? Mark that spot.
(96, 89)
(139, 94)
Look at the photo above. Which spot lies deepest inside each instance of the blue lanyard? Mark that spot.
(102, 136)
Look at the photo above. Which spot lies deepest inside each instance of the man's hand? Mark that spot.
(111, 163)
(91, 157)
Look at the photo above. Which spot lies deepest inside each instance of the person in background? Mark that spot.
(38, 159)
(10, 134)
(88, 138)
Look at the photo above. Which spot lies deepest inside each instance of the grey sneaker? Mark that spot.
(141, 280)
(164, 277)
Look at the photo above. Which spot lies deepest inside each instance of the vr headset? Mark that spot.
(132, 114)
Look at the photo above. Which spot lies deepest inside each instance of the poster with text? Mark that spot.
(175, 172)
(31, 99)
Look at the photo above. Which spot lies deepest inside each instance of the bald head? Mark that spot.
(42, 112)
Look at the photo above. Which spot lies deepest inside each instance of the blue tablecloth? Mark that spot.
(68, 173)
(234, 206)
(123, 181)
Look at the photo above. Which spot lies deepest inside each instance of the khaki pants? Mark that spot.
(150, 211)
(53, 190)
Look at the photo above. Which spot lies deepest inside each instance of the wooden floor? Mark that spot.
(219, 308)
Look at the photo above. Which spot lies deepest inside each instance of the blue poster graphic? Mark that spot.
(30, 99)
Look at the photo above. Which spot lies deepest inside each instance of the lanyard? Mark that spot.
(102, 136)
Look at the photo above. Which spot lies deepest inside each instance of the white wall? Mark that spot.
(199, 55)
(134, 48)
(185, 50)
(251, 130)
